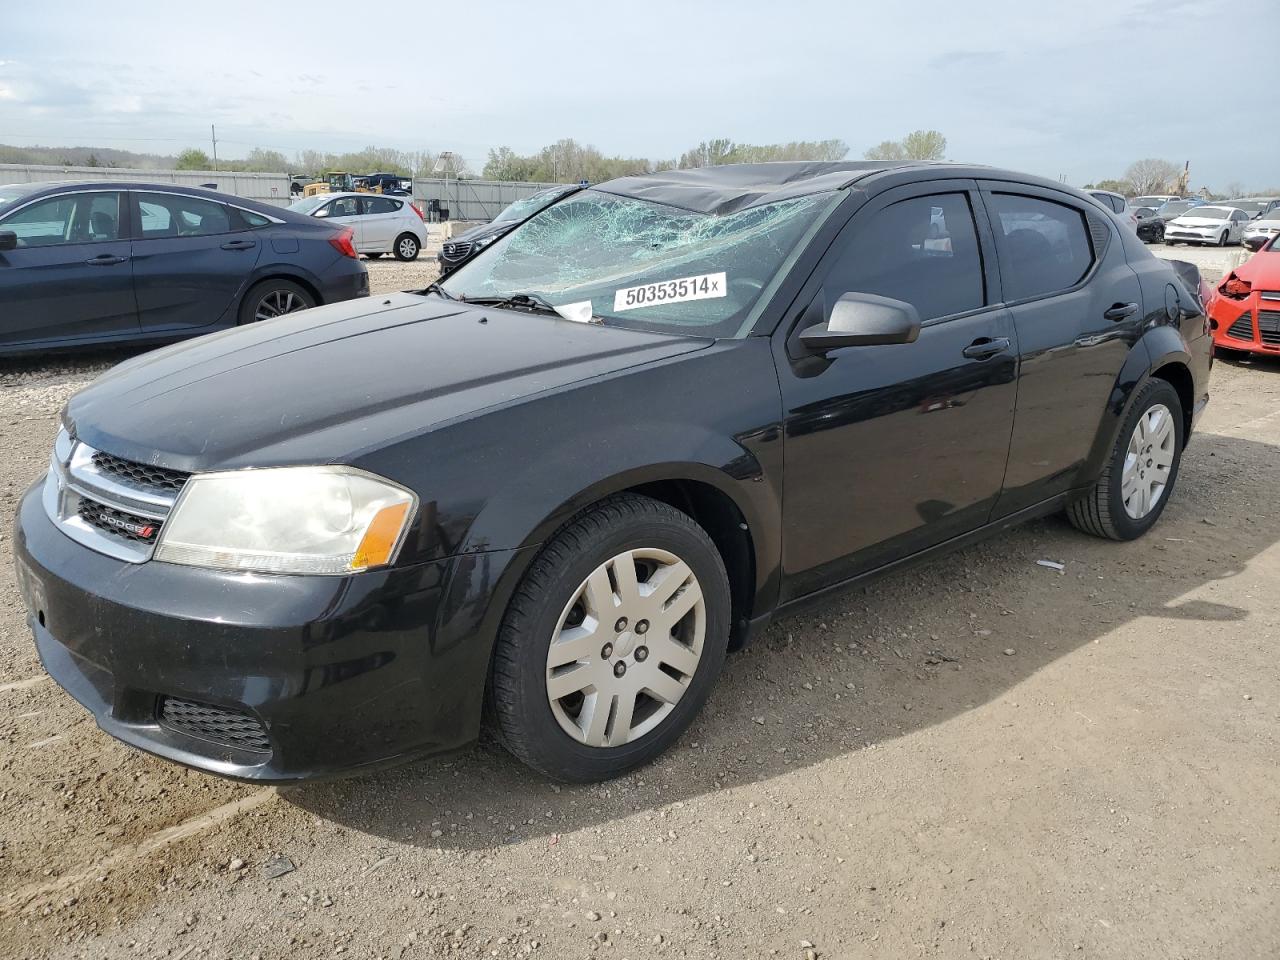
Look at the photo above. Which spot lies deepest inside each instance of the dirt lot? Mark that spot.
(981, 757)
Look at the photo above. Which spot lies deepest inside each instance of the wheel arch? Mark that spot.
(1161, 353)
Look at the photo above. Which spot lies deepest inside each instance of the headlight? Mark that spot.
(484, 241)
(325, 520)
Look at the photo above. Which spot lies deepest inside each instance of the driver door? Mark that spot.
(892, 449)
(70, 276)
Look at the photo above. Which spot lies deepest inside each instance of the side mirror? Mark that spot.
(321, 213)
(863, 320)
(8, 240)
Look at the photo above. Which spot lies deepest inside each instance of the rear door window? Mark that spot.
(170, 215)
(380, 205)
(923, 251)
(1044, 246)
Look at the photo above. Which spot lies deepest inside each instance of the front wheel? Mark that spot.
(612, 642)
(1222, 239)
(407, 247)
(1139, 477)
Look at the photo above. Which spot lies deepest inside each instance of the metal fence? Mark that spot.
(266, 187)
(471, 199)
(462, 199)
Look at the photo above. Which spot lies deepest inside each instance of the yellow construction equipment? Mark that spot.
(338, 181)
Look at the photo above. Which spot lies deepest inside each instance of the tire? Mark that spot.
(1160, 235)
(1171, 243)
(1222, 239)
(1103, 511)
(373, 256)
(556, 591)
(273, 298)
(407, 247)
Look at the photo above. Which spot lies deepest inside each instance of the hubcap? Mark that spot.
(408, 248)
(277, 303)
(607, 683)
(1148, 461)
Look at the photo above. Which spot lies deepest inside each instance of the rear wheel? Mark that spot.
(407, 247)
(373, 256)
(1140, 475)
(612, 641)
(273, 298)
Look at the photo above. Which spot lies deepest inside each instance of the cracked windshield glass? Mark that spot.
(643, 264)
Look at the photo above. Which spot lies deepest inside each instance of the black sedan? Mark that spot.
(458, 250)
(560, 486)
(1150, 227)
(114, 263)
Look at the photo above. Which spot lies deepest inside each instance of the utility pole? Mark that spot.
(213, 132)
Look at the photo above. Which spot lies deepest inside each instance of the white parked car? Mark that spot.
(1210, 223)
(382, 224)
(1258, 232)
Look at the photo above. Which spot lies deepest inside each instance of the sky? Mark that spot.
(1075, 90)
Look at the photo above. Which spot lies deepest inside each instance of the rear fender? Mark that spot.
(1158, 347)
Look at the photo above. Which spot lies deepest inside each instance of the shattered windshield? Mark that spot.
(528, 206)
(647, 265)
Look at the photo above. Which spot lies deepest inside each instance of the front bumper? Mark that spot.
(1190, 236)
(1252, 324)
(332, 675)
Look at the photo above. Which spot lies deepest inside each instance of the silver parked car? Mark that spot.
(1210, 223)
(382, 224)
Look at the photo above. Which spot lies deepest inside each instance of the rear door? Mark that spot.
(192, 258)
(380, 222)
(1077, 308)
(70, 277)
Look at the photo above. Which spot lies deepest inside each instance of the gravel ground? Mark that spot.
(979, 757)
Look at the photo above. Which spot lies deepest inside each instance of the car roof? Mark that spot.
(725, 189)
(36, 189)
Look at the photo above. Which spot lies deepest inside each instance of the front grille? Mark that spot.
(1242, 329)
(139, 474)
(107, 503)
(457, 251)
(1269, 327)
(230, 728)
(118, 523)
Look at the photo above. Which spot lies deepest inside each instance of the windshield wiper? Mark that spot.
(523, 301)
(436, 288)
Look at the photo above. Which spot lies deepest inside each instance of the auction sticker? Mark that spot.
(708, 286)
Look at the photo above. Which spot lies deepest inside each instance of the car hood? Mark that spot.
(328, 384)
(484, 230)
(1190, 221)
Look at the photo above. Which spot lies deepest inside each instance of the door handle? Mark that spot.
(985, 347)
(105, 260)
(239, 245)
(1120, 311)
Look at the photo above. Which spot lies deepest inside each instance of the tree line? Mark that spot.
(565, 161)
(1153, 175)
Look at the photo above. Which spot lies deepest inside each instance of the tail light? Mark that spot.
(1236, 289)
(344, 241)
(418, 210)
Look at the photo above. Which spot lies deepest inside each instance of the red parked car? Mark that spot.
(1244, 311)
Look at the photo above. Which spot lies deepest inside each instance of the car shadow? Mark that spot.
(864, 667)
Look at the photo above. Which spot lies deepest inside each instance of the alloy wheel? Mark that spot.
(1148, 462)
(626, 647)
(277, 303)
(408, 248)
